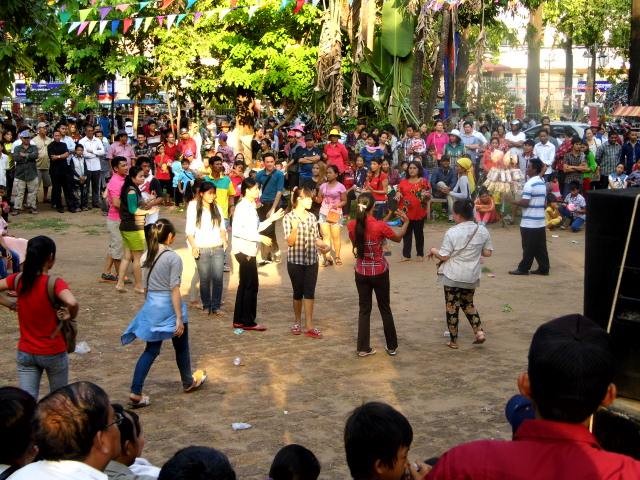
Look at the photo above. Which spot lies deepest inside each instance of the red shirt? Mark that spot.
(184, 145)
(171, 151)
(541, 449)
(410, 202)
(337, 155)
(237, 183)
(38, 319)
(163, 167)
(376, 184)
(376, 231)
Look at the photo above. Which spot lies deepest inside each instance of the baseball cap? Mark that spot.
(515, 122)
(128, 124)
(184, 130)
(308, 137)
(42, 125)
(25, 134)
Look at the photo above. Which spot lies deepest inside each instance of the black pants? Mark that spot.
(303, 280)
(247, 295)
(416, 228)
(379, 284)
(10, 176)
(534, 245)
(93, 181)
(61, 183)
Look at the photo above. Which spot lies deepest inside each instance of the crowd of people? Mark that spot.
(380, 186)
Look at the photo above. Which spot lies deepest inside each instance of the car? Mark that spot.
(559, 129)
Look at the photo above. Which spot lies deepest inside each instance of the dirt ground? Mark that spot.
(301, 390)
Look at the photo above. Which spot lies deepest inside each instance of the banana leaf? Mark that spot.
(397, 29)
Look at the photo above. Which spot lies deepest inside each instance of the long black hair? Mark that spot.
(364, 205)
(128, 183)
(40, 250)
(155, 234)
(216, 219)
(306, 189)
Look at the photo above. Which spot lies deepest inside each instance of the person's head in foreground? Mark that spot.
(131, 436)
(377, 439)
(197, 463)
(294, 462)
(16, 415)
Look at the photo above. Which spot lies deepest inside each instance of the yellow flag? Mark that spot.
(84, 13)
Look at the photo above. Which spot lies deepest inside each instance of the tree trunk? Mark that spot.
(568, 76)
(634, 55)
(415, 97)
(590, 93)
(462, 68)
(356, 48)
(437, 71)
(534, 41)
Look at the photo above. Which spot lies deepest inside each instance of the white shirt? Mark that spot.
(206, 235)
(547, 153)
(93, 150)
(71, 144)
(246, 229)
(78, 165)
(60, 470)
(535, 190)
(464, 265)
(518, 137)
(4, 161)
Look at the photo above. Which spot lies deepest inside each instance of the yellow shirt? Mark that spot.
(552, 216)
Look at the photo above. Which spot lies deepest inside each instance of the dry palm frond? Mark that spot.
(329, 64)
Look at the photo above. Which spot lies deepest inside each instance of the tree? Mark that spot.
(534, 42)
(634, 55)
(29, 43)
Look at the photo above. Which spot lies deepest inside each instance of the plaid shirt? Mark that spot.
(608, 156)
(376, 231)
(303, 251)
(574, 161)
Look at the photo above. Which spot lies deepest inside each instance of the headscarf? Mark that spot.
(467, 166)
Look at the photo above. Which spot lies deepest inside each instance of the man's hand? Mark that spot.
(277, 215)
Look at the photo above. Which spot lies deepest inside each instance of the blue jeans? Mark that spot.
(152, 350)
(576, 222)
(210, 270)
(30, 368)
(4, 272)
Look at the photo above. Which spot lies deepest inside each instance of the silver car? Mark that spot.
(559, 130)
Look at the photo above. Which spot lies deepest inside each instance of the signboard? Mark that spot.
(21, 88)
(601, 85)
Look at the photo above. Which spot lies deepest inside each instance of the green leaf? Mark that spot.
(397, 29)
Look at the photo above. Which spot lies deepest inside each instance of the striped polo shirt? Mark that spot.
(535, 190)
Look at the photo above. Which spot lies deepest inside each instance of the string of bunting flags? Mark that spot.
(85, 24)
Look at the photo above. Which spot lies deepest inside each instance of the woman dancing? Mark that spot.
(163, 315)
(459, 268)
(372, 271)
(303, 240)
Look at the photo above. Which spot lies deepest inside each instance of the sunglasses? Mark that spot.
(118, 420)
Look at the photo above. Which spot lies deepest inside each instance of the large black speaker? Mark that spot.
(608, 219)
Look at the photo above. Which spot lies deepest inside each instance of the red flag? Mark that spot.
(233, 3)
(126, 24)
(165, 4)
(298, 7)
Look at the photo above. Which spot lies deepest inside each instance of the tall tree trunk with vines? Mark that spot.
(534, 41)
(329, 64)
(437, 71)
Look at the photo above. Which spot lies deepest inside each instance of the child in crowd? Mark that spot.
(294, 462)
(618, 179)
(377, 439)
(429, 162)
(184, 179)
(237, 176)
(633, 180)
(574, 210)
(552, 215)
(79, 171)
(5, 208)
(554, 187)
(485, 208)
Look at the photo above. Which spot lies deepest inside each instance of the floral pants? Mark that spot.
(460, 298)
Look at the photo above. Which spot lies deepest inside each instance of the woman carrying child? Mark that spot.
(303, 241)
(163, 315)
(459, 268)
(414, 193)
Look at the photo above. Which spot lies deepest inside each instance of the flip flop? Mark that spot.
(452, 345)
(258, 328)
(480, 338)
(338, 261)
(143, 401)
(199, 377)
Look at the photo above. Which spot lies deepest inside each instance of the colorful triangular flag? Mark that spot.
(180, 18)
(92, 25)
(73, 26)
(315, 2)
(190, 3)
(160, 19)
(170, 20)
(84, 13)
(104, 11)
(126, 24)
(196, 17)
(223, 12)
(122, 7)
(64, 16)
(83, 25)
(137, 23)
(103, 25)
(165, 4)
(147, 23)
(283, 4)
(252, 10)
(114, 26)
(210, 13)
(143, 5)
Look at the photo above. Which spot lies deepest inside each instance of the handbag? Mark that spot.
(440, 264)
(334, 216)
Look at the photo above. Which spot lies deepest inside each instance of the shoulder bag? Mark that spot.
(455, 253)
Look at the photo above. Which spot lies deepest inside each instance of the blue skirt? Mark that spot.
(156, 320)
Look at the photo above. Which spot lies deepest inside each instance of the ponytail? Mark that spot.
(364, 205)
(40, 250)
(155, 234)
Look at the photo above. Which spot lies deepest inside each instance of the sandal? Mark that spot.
(405, 259)
(199, 377)
(143, 401)
(338, 261)
(313, 333)
(295, 329)
(480, 338)
(327, 262)
(452, 345)
(139, 290)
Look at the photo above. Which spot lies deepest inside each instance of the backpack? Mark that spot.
(68, 328)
